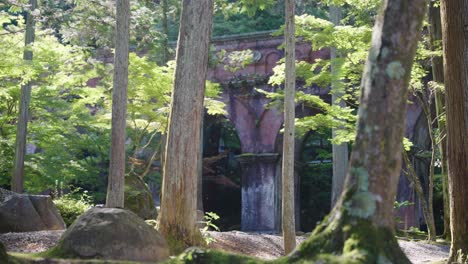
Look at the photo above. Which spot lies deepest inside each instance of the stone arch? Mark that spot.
(271, 60)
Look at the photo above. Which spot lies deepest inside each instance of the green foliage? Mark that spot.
(59, 106)
(69, 128)
(210, 217)
(241, 23)
(352, 43)
(351, 39)
(90, 23)
(250, 7)
(237, 60)
(341, 118)
(72, 205)
(315, 178)
(407, 144)
(397, 205)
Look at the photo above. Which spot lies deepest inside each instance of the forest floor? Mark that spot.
(264, 246)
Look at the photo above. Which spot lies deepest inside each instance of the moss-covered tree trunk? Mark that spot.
(455, 45)
(116, 180)
(177, 221)
(361, 225)
(17, 181)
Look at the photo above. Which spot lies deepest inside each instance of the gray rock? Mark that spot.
(138, 198)
(111, 233)
(49, 214)
(25, 213)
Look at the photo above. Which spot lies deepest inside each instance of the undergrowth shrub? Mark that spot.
(73, 205)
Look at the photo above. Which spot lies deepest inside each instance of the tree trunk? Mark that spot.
(165, 44)
(116, 180)
(455, 45)
(340, 152)
(17, 181)
(425, 102)
(179, 193)
(200, 169)
(362, 219)
(288, 223)
(412, 176)
(435, 30)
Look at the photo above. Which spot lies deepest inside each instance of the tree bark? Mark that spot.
(116, 180)
(165, 27)
(454, 15)
(200, 168)
(425, 102)
(435, 30)
(288, 222)
(179, 193)
(17, 181)
(414, 179)
(362, 219)
(340, 152)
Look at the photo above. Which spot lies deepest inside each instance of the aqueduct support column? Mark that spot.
(258, 191)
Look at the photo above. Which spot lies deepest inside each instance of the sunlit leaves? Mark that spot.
(243, 6)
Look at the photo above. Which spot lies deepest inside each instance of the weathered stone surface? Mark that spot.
(138, 198)
(24, 213)
(111, 233)
(258, 191)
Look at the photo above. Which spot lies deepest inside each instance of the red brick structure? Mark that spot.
(258, 128)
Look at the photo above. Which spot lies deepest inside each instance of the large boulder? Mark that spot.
(138, 198)
(111, 233)
(25, 213)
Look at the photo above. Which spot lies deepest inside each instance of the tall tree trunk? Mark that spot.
(165, 59)
(340, 152)
(362, 219)
(179, 193)
(17, 181)
(455, 45)
(425, 102)
(428, 214)
(200, 168)
(288, 222)
(435, 30)
(116, 180)
(165, 55)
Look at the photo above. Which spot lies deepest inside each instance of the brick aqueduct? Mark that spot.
(258, 130)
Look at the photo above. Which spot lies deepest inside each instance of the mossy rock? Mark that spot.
(110, 234)
(138, 198)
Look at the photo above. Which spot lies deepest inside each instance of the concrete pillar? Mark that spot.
(258, 191)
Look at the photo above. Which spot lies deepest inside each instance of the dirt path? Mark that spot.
(264, 246)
